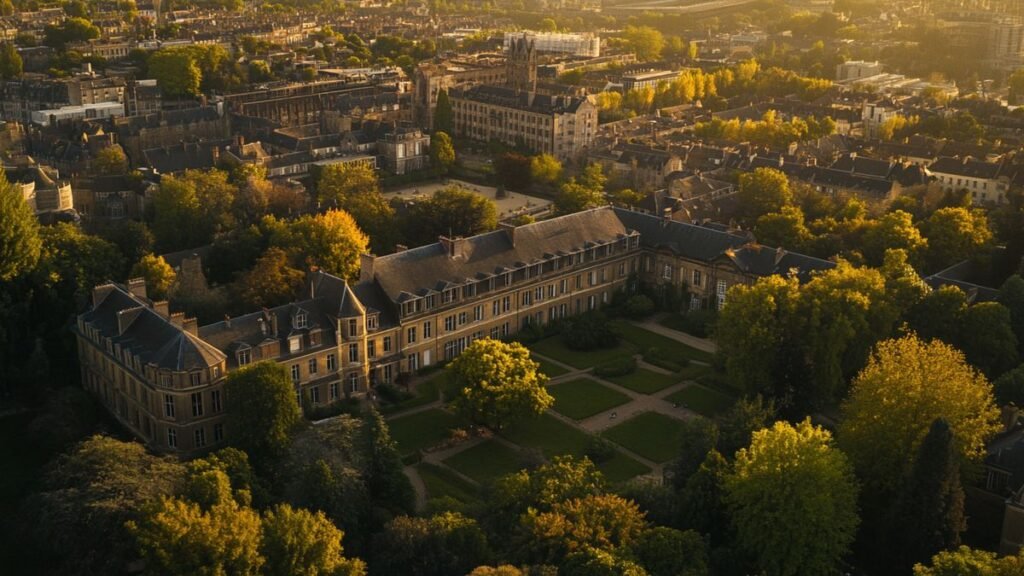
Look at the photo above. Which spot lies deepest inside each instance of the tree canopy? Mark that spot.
(497, 383)
(262, 409)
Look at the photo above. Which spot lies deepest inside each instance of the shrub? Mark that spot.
(343, 406)
(532, 458)
(599, 450)
(619, 367)
(391, 394)
(639, 306)
(589, 331)
(699, 323)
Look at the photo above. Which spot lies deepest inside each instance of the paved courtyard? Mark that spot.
(513, 204)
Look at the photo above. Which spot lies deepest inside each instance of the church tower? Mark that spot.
(521, 65)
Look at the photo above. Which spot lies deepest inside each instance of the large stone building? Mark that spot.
(162, 375)
(430, 78)
(585, 45)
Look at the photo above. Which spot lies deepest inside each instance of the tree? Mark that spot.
(777, 482)
(929, 516)
(451, 212)
(1009, 388)
(443, 115)
(906, 385)
(158, 274)
(11, 65)
(966, 561)
(262, 409)
(604, 522)
(954, 234)
(355, 189)
(73, 262)
(498, 383)
(512, 171)
(987, 340)
(271, 281)
(665, 551)
(301, 543)
(503, 570)
(783, 229)
(702, 500)
(86, 495)
(444, 544)
(939, 314)
(331, 241)
(388, 485)
(594, 562)
(20, 245)
(545, 168)
(576, 197)
(70, 31)
(748, 415)
(698, 437)
(176, 72)
(190, 209)
(894, 230)
(1011, 295)
(442, 152)
(178, 537)
(110, 161)
(763, 191)
(646, 42)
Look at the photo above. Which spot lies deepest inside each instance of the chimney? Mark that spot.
(666, 213)
(227, 321)
(455, 247)
(401, 247)
(177, 318)
(137, 286)
(162, 309)
(191, 326)
(263, 326)
(215, 154)
(273, 325)
(510, 231)
(366, 266)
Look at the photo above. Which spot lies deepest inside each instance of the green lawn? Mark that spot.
(695, 371)
(651, 435)
(645, 381)
(554, 348)
(549, 368)
(554, 437)
(441, 483)
(486, 461)
(424, 392)
(422, 430)
(644, 339)
(583, 397)
(702, 400)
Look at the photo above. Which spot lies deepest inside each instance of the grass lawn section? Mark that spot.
(425, 392)
(651, 435)
(441, 482)
(486, 461)
(422, 430)
(549, 368)
(695, 371)
(644, 339)
(645, 381)
(555, 438)
(583, 397)
(701, 400)
(554, 348)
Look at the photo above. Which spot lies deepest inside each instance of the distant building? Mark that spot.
(988, 182)
(98, 111)
(404, 150)
(430, 78)
(586, 45)
(649, 79)
(855, 69)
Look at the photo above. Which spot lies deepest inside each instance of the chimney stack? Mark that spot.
(191, 326)
(137, 286)
(366, 265)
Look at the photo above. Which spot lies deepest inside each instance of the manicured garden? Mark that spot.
(645, 381)
(644, 339)
(582, 398)
(701, 400)
(654, 436)
(486, 461)
(443, 483)
(554, 348)
(422, 430)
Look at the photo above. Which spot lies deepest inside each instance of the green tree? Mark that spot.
(77, 518)
(512, 171)
(954, 234)
(590, 561)
(331, 241)
(442, 151)
(72, 262)
(1011, 295)
(451, 212)
(444, 117)
(748, 415)
(11, 65)
(987, 340)
(777, 482)
(604, 522)
(548, 25)
(698, 437)
(444, 544)
(109, 161)
(176, 72)
(1009, 388)
(262, 409)
(785, 228)
(355, 189)
(178, 537)
(388, 485)
(190, 209)
(894, 230)
(498, 384)
(158, 274)
(20, 245)
(271, 281)
(546, 169)
(70, 31)
(665, 551)
(576, 197)
(966, 561)
(905, 386)
(702, 500)
(298, 542)
(646, 42)
(763, 191)
(939, 314)
(929, 516)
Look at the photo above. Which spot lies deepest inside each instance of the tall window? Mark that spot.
(478, 313)
(215, 401)
(387, 344)
(410, 335)
(197, 404)
(194, 378)
(244, 357)
(353, 353)
(333, 390)
(332, 363)
(427, 328)
(696, 278)
(666, 272)
(200, 437)
(300, 320)
(371, 348)
(312, 366)
(172, 438)
(168, 406)
(353, 382)
(314, 394)
(218, 432)
(295, 372)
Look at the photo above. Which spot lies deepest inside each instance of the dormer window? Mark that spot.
(300, 319)
(244, 357)
(294, 344)
(371, 322)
